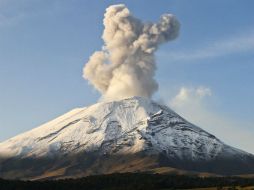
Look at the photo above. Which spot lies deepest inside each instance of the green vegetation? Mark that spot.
(132, 181)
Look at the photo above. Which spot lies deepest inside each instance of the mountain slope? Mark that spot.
(134, 134)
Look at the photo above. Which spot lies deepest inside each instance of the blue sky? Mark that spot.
(44, 45)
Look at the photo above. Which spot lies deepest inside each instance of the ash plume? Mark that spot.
(125, 66)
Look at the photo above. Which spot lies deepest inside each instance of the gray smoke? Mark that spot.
(125, 66)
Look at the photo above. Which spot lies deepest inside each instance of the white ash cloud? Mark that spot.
(125, 66)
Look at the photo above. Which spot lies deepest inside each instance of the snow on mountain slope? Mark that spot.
(121, 127)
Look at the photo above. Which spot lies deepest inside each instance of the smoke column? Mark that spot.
(125, 66)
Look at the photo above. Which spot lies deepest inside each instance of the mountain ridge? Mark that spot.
(131, 130)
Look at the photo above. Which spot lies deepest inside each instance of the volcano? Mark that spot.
(130, 135)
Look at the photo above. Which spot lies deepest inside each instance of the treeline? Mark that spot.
(127, 181)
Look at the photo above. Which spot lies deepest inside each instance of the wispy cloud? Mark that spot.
(232, 45)
(10, 12)
(193, 103)
(10, 20)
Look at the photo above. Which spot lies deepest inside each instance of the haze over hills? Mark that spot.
(130, 135)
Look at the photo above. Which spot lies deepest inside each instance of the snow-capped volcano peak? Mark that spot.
(129, 125)
(123, 127)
